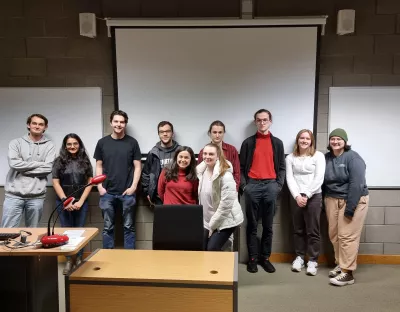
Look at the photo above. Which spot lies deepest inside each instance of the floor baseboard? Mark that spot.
(361, 259)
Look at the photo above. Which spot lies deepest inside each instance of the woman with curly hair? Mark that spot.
(178, 182)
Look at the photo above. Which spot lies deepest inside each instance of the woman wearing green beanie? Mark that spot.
(346, 202)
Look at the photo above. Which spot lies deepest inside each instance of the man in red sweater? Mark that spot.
(262, 174)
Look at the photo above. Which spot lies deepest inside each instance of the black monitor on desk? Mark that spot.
(178, 227)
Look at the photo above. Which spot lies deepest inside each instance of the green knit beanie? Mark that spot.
(339, 133)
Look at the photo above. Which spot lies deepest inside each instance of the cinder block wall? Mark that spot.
(40, 46)
(370, 57)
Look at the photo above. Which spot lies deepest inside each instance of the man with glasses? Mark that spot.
(159, 157)
(262, 174)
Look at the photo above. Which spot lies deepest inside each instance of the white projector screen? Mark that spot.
(76, 110)
(193, 76)
(370, 116)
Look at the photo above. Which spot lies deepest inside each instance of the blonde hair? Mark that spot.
(311, 149)
(223, 163)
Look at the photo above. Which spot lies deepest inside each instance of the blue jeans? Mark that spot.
(108, 205)
(13, 208)
(76, 218)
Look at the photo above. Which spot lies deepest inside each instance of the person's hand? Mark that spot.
(102, 190)
(348, 215)
(130, 190)
(301, 201)
(210, 232)
(77, 205)
(69, 207)
(150, 202)
(241, 189)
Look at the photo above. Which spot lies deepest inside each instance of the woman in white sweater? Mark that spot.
(305, 169)
(222, 212)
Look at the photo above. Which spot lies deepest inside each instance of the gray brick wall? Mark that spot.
(40, 46)
(370, 57)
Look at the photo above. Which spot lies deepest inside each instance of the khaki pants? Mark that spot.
(345, 233)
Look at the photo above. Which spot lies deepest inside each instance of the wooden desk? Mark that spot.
(29, 275)
(154, 280)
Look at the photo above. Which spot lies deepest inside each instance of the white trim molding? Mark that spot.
(270, 21)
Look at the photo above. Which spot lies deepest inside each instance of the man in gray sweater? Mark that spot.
(31, 160)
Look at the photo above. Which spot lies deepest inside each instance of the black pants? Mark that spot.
(217, 239)
(306, 221)
(260, 196)
(157, 201)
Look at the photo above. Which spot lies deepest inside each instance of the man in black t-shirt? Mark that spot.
(118, 156)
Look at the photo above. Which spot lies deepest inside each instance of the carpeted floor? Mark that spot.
(377, 288)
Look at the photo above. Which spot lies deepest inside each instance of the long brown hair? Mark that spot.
(171, 172)
(311, 149)
(223, 163)
(218, 123)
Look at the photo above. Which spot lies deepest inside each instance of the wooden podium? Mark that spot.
(154, 280)
(29, 275)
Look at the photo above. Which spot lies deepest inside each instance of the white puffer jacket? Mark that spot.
(228, 212)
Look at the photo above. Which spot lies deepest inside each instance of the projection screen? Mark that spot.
(193, 75)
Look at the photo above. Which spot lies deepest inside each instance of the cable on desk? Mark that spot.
(19, 245)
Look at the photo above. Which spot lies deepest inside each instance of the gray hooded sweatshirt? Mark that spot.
(30, 163)
(158, 158)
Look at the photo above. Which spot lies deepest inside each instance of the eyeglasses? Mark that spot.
(262, 121)
(72, 144)
(165, 132)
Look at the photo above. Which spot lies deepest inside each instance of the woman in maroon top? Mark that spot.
(178, 182)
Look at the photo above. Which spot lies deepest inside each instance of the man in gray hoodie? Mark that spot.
(159, 157)
(31, 160)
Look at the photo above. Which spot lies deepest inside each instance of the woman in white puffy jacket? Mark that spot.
(222, 212)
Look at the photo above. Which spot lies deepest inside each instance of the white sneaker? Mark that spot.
(297, 264)
(68, 267)
(335, 272)
(312, 268)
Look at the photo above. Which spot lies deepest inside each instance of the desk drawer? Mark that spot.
(99, 298)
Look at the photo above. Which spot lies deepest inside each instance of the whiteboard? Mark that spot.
(370, 116)
(193, 76)
(77, 110)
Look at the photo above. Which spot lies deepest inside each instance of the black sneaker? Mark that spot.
(343, 279)
(252, 266)
(267, 266)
